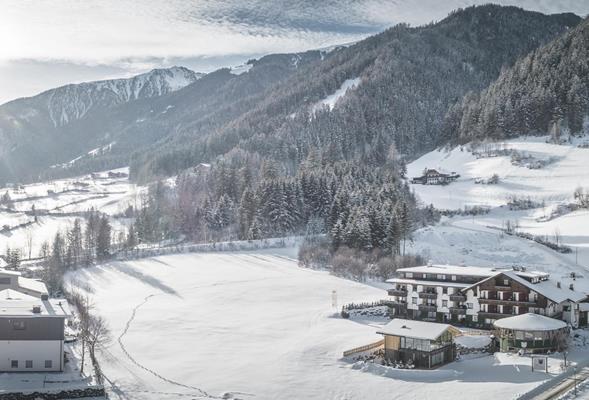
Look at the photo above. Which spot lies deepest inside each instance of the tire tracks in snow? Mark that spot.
(201, 393)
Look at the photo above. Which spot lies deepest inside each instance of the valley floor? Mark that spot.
(255, 325)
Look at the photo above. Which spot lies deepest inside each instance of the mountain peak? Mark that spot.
(72, 102)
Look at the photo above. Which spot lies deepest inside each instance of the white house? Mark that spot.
(31, 332)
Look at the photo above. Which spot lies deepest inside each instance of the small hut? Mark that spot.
(532, 333)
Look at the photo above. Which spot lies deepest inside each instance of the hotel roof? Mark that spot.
(17, 304)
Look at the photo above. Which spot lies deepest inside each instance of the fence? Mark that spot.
(552, 383)
(238, 245)
(364, 348)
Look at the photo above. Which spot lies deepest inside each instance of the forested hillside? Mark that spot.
(298, 161)
(408, 77)
(546, 91)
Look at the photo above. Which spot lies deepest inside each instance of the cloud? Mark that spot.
(122, 37)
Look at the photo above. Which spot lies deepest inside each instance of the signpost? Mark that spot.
(540, 363)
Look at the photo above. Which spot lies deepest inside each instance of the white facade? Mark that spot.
(31, 355)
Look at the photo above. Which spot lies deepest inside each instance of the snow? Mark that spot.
(241, 69)
(553, 183)
(414, 329)
(530, 322)
(254, 324)
(58, 211)
(451, 270)
(333, 98)
(473, 341)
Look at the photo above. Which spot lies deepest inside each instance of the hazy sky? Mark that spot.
(47, 43)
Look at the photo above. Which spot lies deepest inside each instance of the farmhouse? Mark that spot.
(476, 296)
(13, 280)
(422, 344)
(434, 177)
(31, 332)
(531, 332)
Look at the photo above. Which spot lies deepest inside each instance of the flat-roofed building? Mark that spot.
(31, 332)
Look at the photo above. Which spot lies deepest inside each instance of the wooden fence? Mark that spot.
(366, 347)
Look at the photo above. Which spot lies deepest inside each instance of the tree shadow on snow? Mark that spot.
(147, 279)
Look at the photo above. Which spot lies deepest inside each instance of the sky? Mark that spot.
(48, 43)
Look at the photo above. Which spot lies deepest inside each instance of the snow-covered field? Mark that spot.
(256, 325)
(566, 170)
(57, 203)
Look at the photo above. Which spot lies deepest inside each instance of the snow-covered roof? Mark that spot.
(414, 329)
(6, 272)
(405, 281)
(530, 322)
(32, 285)
(9, 294)
(547, 288)
(452, 270)
(14, 303)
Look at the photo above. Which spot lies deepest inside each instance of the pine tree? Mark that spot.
(103, 239)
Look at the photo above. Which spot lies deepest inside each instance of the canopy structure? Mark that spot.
(530, 322)
(532, 333)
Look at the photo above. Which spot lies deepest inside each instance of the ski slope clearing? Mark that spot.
(526, 167)
(254, 325)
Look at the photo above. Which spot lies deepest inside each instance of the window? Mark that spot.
(14, 364)
(414, 300)
(48, 364)
(475, 318)
(445, 290)
(441, 277)
(4, 281)
(453, 277)
(424, 276)
(444, 303)
(506, 282)
(408, 274)
(469, 305)
(19, 325)
(29, 364)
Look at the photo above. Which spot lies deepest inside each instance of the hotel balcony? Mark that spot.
(507, 302)
(398, 292)
(457, 310)
(427, 307)
(457, 297)
(427, 295)
(494, 315)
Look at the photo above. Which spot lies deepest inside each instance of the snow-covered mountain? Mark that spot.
(71, 102)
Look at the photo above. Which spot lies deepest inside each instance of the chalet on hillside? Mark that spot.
(423, 344)
(434, 177)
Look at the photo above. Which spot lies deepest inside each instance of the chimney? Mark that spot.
(571, 287)
(36, 309)
(44, 297)
(558, 285)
